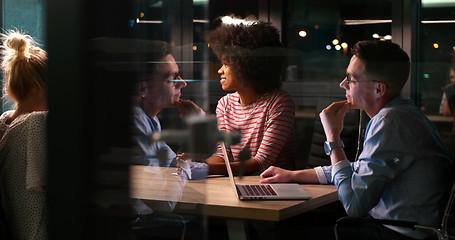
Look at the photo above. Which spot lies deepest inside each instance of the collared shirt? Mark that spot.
(402, 172)
(147, 150)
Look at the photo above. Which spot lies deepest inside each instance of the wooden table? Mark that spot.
(440, 118)
(215, 197)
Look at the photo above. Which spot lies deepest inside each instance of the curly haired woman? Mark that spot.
(252, 65)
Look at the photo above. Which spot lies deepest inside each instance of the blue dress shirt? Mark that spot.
(147, 151)
(402, 172)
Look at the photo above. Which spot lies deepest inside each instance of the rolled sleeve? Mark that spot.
(321, 176)
(324, 174)
(338, 166)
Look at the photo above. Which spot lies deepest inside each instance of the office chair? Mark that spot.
(160, 225)
(352, 135)
(4, 232)
(445, 231)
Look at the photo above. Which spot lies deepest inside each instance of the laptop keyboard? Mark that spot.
(258, 190)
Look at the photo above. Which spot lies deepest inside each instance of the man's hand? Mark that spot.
(332, 119)
(276, 174)
(187, 107)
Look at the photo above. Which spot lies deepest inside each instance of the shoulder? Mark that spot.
(230, 97)
(34, 121)
(38, 115)
(139, 115)
(5, 116)
(33, 118)
(280, 98)
(399, 108)
(399, 115)
(282, 95)
(27, 126)
(141, 120)
(449, 90)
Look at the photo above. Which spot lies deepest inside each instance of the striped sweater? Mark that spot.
(266, 127)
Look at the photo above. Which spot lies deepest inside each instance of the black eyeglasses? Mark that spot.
(176, 78)
(354, 81)
(349, 80)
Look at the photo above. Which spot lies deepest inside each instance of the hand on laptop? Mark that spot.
(275, 175)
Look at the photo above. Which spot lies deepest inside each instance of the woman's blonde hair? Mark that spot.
(24, 65)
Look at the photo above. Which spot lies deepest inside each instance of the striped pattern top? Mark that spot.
(266, 127)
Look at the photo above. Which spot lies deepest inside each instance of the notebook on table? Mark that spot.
(273, 191)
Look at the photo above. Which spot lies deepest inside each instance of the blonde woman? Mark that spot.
(22, 133)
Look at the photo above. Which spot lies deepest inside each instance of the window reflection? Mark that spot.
(319, 59)
(315, 61)
(436, 52)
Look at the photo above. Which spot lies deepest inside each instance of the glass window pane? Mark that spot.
(436, 52)
(319, 36)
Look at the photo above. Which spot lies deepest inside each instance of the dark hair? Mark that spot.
(385, 60)
(152, 52)
(252, 49)
(130, 55)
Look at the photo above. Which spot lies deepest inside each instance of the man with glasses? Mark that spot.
(403, 170)
(159, 86)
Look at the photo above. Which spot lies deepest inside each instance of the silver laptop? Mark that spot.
(263, 191)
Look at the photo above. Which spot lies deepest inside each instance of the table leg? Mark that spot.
(237, 229)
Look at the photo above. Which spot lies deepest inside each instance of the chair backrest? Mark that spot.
(447, 225)
(4, 232)
(352, 135)
(448, 219)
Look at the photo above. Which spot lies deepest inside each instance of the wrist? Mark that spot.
(293, 177)
(329, 146)
(333, 138)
